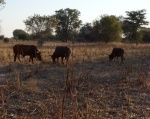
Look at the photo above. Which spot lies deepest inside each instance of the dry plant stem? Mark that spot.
(3, 105)
(67, 89)
(87, 109)
(62, 108)
(75, 113)
(68, 82)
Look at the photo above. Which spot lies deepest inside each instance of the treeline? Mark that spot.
(65, 25)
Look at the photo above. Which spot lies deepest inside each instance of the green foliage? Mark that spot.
(2, 2)
(146, 35)
(1, 37)
(20, 34)
(6, 40)
(68, 23)
(108, 28)
(41, 26)
(132, 24)
(137, 37)
(85, 33)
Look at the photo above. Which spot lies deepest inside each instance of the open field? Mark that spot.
(89, 87)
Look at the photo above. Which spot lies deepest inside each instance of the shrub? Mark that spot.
(1, 37)
(20, 34)
(6, 40)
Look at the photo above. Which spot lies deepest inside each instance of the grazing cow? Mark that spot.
(61, 51)
(26, 50)
(117, 52)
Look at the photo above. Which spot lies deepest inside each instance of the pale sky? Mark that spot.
(16, 11)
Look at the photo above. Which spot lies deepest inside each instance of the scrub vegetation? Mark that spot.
(88, 87)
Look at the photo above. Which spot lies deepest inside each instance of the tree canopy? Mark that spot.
(108, 28)
(39, 26)
(85, 33)
(20, 34)
(133, 23)
(146, 34)
(68, 23)
(65, 25)
(2, 2)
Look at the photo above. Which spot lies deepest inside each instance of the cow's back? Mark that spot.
(24, 49)
(62, 51)
(117, 51)
(18, 49)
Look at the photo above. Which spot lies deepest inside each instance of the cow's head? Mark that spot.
(38, 56)
(111, 57)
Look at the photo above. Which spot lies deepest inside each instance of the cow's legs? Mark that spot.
(122, 58)
(117, 59)
(31, 59)
(62, 60)
(15, 57)
(67, 58)
(56, 60)
(18, 56)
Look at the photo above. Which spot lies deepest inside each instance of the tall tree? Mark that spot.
(68, 23)
(108, 28)
(132, 24)
(2, 2)
(39, 25)
(85, 33)
(146, 34)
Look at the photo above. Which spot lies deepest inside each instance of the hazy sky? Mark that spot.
(16, 11)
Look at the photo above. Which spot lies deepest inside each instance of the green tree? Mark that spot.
(40, 26)
(68, 23)
(146, 35)
(20, 34)
(2, 2)
(6, 40)
(85, 33)
(108, 28)
(133, 23)
(1, 37)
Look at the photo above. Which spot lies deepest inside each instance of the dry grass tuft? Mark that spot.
(31, 85)
(145, 80)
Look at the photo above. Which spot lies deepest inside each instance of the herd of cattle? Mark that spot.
(60, 51)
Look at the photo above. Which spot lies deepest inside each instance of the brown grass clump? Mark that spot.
(145, 80)
(89, 87)
(31, 86)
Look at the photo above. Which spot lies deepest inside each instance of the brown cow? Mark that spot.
(61, 51)
(26, 50)
(117, 52)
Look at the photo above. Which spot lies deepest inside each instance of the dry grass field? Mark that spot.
(89, 87)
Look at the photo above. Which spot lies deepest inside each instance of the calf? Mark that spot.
(26, 50)
(117, 52)
(61, 51)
